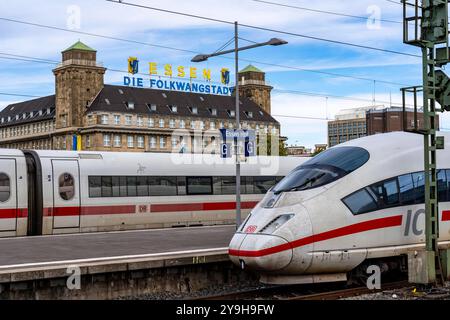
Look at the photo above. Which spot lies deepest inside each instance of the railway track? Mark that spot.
(304, 292)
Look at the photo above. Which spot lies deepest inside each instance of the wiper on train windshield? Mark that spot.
(303, 185)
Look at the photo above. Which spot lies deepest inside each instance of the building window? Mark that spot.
(116, 119)
(152, 142)
(104, 119)
(140, 121)
(162, 142)
(151, 107)
(182, 124)
(140, 142)
(202, 125)
(130, 142)
(231, 113)
(212, 125)
(221, 125)
(117, 141)
(88, 141)
(194, 110)
(172, 123)
(151, 122)
(192, 124)
(161, 123)
(128, 120)
(174, 142)
(106, 140)
(173, 109)
(213, 111)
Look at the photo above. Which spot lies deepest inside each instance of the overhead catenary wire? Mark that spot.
(324, 11)
(266, 29)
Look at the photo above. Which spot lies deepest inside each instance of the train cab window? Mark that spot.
(66, 186)
(199, 185)
(419, 186)
(407, 189)
(442, 186)
(5, 187)
(323, 169)
(360, 202)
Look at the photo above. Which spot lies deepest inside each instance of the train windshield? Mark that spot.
(323, 169)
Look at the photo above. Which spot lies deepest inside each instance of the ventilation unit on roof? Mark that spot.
(202, 99)
(164, 95)
(107, 102)
(120, 91)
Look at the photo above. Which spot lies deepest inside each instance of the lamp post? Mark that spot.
(204, 57)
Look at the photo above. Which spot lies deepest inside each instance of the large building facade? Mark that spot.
(85, 113)
(351, 124)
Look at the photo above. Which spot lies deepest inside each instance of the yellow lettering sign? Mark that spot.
(153, 68)
(168, 70)
(181, 72)
(207, 74)
(192, 72)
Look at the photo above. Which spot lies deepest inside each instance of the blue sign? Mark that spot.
(173, 85)
(225, 150)
(250, 149)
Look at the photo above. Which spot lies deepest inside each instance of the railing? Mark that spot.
(80, 62)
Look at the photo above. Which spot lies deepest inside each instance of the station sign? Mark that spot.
(189, 79)
(238, 137)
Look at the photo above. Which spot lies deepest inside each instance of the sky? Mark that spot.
(295, 70)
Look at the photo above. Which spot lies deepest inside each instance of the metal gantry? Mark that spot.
(429, 22)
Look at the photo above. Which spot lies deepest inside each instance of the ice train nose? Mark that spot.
(260, 252)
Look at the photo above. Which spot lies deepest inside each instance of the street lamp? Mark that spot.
(204, 57)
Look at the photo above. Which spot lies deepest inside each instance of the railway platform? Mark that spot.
(115, 264)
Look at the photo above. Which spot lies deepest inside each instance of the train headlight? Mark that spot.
(276, 223)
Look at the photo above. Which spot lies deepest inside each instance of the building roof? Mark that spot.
(115, 98)
(250, 68)
(28, 111)
(79, 46)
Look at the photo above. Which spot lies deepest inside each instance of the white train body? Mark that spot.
(321, 231)
(53, 192)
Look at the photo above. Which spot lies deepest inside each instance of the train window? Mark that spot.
(131, 187)
(66, 186)
(95, 187)
(181, 186)
(228, 185)
(142, 186)
(419, 184)
(115, 186)
(106, 186)
(360, 202)
(5, 187)
(123, 186)
(199, 185)
(442, 186)
(263, 184)
(407, 190)
(163, 186)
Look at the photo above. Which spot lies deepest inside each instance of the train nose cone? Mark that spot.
(260, 252)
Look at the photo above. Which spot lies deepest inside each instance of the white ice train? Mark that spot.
(358, 202)
(52, 192)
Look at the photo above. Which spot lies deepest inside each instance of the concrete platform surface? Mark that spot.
(16, 252)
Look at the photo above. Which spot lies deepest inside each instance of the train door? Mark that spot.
(66, 194)
(8, 195)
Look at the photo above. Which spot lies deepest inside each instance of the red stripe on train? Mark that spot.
(13, 213)
(207, 206)
(446, 215)
(340, 232)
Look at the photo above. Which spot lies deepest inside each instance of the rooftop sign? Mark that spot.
(191, 83)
